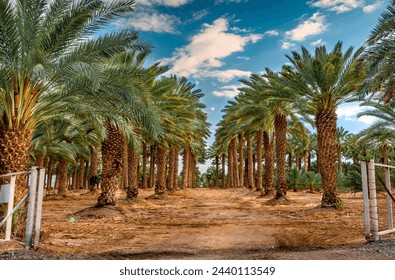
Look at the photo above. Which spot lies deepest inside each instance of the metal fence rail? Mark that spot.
(34, 208)
(371, 220)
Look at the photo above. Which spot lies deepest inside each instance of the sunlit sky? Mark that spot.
(216, 43)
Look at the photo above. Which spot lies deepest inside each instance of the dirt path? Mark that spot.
(205, 224)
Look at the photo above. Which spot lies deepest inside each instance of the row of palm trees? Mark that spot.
(68, 89)
(308, 89)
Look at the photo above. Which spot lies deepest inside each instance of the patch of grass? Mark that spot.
(339, 206)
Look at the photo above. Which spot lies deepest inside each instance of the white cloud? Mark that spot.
(149, 20)
(271, 33)
(373, 7)
(224, 75)
(317, 43)
(313, 26)
(338, 6)
(212, 108)
(227, 91)
(170, 3)
(198, 15)
(287, 45)
(246, 58)
(349, 113)
(206, 50)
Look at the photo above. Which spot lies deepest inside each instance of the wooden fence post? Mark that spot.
(374, 221)
(30, 208)
(40, 195)
(365, 190)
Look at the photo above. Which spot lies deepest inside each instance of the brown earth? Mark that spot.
(204, 224)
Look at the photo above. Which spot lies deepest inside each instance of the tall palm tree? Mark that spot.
(321, 82)
(379, 56)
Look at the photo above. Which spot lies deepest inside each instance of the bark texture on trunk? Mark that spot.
(269, 163)
(124, 183)
(62, 177)
(94, 179)
(160, 182)
(185, 168)
(326, 133)
(133, 162)
(241, 159)
(40, 161)
(259, 144)
(250, 175)
(144, 171)
(112, 152)
(280, 128)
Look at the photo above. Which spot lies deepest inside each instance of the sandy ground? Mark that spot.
(204, 224)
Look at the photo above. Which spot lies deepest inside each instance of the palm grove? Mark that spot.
(74, 99)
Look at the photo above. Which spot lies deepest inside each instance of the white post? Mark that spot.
(389, 201)
(10, 207)
(40, 196)
(374, 220)
(30, 208)
(365, 190)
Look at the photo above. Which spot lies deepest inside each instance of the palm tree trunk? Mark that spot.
(81, 174)
(269, 163)
(185, 168)
(112, 152)
(175, 173)
(216, 172)
(326, 133)
(132, 172)
(305, 160)
(259, 144)
(241, 159)
(223, 171)
(40, 161)
(124, 183)
(309, 162)
(151, 179)
(86, 169)
(170, 175)
(250, 175)
(160, 182)
(297, 161)
(61, 176)
(192, 176)
(75, 169)
(49, 176)
(385, 154)
(280, 128)
(230, 164)
(289, 160)
(93, 180)
(235, 164)
(144, 185)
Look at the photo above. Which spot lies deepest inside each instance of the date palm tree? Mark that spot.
(321, 82)
(49, 51)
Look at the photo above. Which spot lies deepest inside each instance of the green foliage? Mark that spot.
(312, 181)
(294, 179)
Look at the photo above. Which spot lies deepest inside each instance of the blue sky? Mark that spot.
(216, 43)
